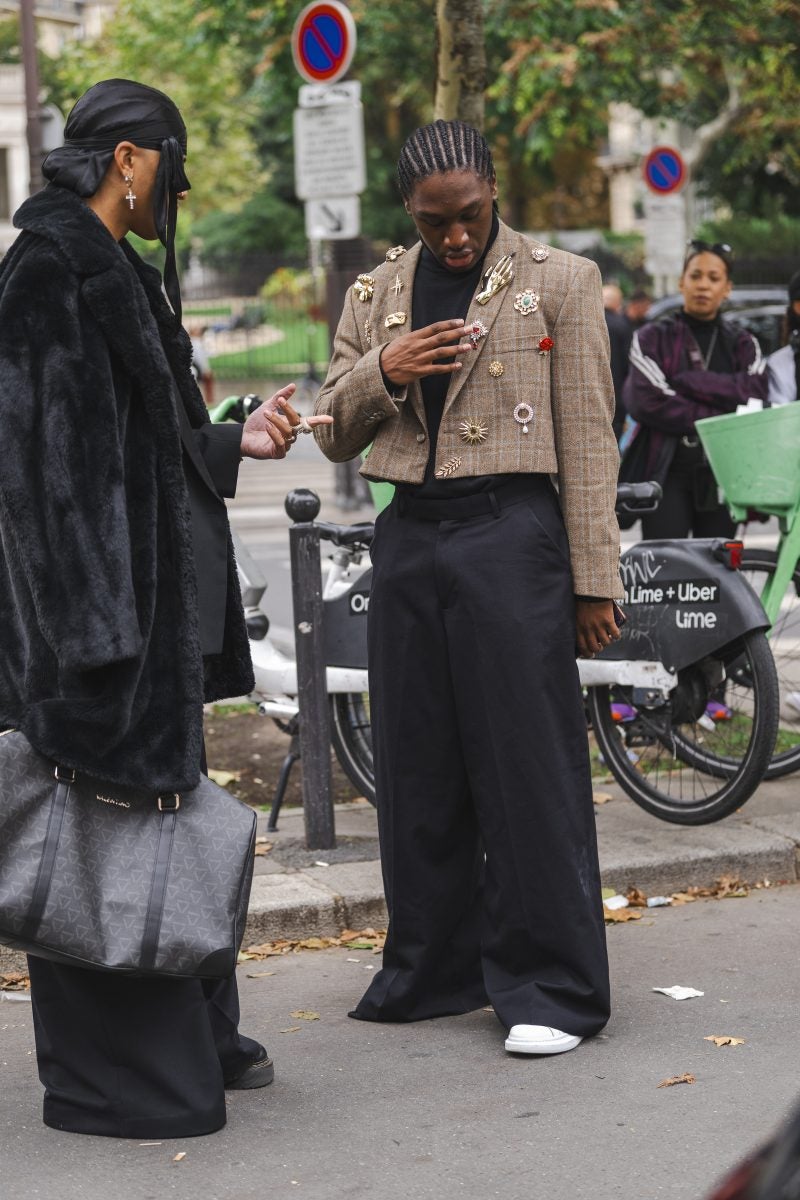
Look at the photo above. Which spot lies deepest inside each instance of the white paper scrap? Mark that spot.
(658, 901)
(679, 993)
(615, 902)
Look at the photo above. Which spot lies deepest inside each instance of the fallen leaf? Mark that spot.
(636, 898)
(302, 1014)
(678, 898)
(622, 914)
(261, 851)
(607, 893)
(224, 778)
(367, 939)
(180, 1157)
(724, 1041)
(291, 1029)
(259, 974)
(601, 797)
(685, 1078)
(14, 981)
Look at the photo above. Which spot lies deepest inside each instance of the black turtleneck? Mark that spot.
(720, 359)
(441, 295)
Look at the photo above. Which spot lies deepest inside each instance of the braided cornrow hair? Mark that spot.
(443, 146)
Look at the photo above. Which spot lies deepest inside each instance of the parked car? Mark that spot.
(761, 309)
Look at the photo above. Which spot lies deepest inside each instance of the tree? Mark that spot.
(461, 62)
(729, 65)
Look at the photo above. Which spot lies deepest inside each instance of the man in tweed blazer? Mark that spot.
(568, 387)
(476, 366)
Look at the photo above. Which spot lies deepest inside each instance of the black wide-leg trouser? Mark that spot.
(130, 1057)
(482, 770)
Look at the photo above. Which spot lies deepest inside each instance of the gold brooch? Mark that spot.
(398, 318)
(395, 252)
(473, 432)
(495, 279)
(496, 369)
(364, 286)
(526, 302)
(368, 331)
(447, 468)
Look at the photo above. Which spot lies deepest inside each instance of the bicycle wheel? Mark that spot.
(352, 740)
(648, 751)
(784, 640)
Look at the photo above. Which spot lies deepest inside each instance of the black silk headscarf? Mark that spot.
(120, 110)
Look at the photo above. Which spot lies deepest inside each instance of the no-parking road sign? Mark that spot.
(664, 170)
(323, 41)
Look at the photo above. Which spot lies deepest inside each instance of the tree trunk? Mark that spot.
(460, 61)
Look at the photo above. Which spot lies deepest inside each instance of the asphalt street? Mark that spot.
(439, 1110)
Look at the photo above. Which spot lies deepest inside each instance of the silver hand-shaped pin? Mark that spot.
(302, 427)
(496, 278)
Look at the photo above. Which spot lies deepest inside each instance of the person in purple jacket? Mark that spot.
(689, 366)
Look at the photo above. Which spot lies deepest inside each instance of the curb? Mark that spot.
(658, 859)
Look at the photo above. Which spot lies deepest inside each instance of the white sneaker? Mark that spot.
(540, 1039)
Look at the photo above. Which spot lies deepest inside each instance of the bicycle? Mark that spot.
(755, 457)
(674, 654)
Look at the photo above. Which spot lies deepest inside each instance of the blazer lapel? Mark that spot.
(505, 243)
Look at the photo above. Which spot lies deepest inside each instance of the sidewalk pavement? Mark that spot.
(300, 893)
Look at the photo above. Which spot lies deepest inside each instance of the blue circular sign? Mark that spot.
(323, 41)
(664, 170)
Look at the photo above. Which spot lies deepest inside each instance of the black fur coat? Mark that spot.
(100, 661)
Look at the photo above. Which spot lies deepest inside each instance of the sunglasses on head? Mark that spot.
(720, 248)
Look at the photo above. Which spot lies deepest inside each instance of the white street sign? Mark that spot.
(333, 218)
(665, 235)
(315, 95)
(329, 158)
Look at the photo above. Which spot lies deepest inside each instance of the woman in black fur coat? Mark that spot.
(119, 605)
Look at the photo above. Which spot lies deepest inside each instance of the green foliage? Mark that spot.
(10, 51)
(170, 46)
(775, 237)
(554, 67)
(266, 224)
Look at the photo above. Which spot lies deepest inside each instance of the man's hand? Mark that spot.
(270, 431)
(595, 626)
(428, 351)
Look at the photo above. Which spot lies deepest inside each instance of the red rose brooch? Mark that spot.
(546, 345)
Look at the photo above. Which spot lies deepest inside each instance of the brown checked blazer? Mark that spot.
(568, 387)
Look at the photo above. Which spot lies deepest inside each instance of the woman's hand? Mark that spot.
(595, 626)
(270, 431)
(428, 351)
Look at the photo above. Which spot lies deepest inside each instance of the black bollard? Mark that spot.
(303, 506)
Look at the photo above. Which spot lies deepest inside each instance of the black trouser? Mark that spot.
(689, 505)
(134, 1057)
(482, 771)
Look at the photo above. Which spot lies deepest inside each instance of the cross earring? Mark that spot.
(130, 196)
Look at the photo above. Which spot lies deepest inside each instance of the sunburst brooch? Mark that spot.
(473, 432)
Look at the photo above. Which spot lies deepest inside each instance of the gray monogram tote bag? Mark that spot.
(96, 875)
